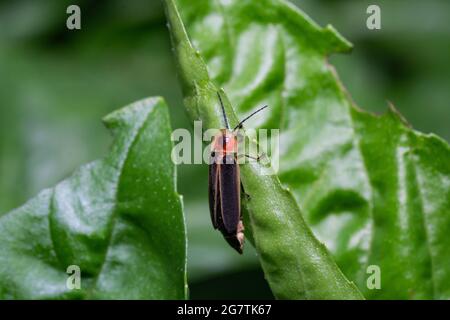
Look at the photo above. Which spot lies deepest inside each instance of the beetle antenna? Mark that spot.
(223, 111)
(240, 123)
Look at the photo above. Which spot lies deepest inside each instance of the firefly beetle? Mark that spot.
(225, 183)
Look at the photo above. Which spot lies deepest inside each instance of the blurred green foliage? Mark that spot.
(56, 84)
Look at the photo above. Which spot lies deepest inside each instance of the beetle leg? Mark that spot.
(247, 196)
(258, 158)
(251, 157)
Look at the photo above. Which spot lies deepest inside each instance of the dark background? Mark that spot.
(56, 85)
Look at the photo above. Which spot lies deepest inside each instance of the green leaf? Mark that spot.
(374, 191)
(119, 219)
(296, 265)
